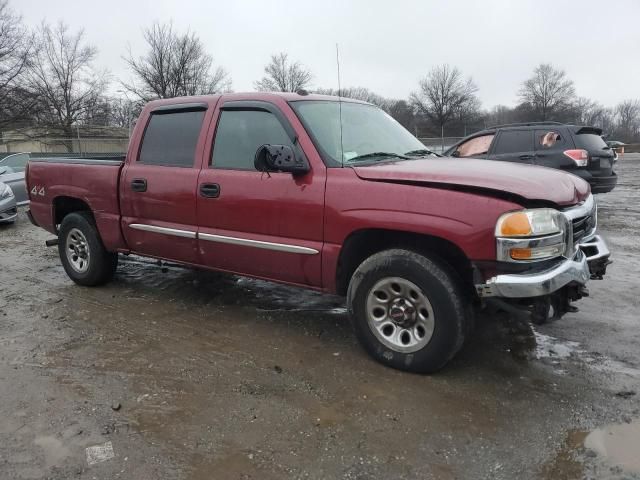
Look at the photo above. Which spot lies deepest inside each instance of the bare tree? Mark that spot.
(547, 92)
(97, 113)
(174, 65)
(402, 112)
(359, 93)
(500, 115)
(628, 120)
(281, 75)
(445, 95)
(63, 79)
(16, 48)
(588, 112)
(123, 112)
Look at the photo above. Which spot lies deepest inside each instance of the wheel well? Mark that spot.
(362, 244)
(63, 206)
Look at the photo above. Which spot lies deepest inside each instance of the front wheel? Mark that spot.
(82, 253)
(407, 310)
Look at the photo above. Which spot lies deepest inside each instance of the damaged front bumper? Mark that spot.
(589, 261)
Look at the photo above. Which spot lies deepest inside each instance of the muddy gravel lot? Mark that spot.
(168, 373)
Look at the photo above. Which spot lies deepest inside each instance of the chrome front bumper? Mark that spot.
(592, 254)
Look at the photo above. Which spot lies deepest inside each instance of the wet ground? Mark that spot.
(168, 373)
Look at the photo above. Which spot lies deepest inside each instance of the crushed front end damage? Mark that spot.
(536, 288)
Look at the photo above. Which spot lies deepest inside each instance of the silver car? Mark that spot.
(12, 173)
(8, 208)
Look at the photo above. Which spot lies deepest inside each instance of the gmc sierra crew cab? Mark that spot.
(332, 195)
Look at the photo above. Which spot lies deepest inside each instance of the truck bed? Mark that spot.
(52, 181)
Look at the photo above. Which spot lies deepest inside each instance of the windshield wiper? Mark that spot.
(378, 154)
(420, 152)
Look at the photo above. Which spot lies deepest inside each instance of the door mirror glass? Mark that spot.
(279, 158)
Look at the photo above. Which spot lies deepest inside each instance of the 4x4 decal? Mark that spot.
(36, 190)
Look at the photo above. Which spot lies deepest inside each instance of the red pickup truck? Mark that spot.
(334, 196)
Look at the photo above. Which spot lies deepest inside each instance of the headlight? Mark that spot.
(5, 191)
(530, 235)
(528, 223)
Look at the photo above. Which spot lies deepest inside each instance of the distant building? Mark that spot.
(87, 139)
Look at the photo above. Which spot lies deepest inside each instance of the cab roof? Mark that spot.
(264, 96)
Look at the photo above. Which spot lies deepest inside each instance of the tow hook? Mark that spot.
(598, 268)
(52, 242)
(560, 301)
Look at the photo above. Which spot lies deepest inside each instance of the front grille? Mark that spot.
(583, 219)
(582, 226)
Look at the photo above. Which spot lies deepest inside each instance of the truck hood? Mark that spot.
(528, 182)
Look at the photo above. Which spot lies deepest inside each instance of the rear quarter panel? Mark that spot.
(95, 184)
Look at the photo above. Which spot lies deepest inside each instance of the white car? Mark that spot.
(8, 208)
(12, 169)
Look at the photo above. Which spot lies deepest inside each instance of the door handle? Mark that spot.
(139, 184)
(210, 190)
(526, 157)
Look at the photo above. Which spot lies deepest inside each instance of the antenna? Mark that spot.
(340, 107)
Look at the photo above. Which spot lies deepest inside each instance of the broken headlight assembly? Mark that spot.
(531, 235)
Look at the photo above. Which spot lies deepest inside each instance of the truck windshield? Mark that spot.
(368, 133)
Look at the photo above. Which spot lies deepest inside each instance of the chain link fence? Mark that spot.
(439, 144)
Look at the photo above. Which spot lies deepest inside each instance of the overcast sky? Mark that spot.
(384, 45)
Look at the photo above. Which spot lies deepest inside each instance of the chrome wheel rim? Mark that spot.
(400, 315)
(77, 249)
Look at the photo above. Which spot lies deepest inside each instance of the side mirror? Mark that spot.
(279, 158)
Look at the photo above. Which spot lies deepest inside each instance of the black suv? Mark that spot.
(576, 149)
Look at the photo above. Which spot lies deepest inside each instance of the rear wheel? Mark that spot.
(407, 310)
(82, 253)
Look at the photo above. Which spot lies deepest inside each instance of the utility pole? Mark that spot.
(79, 145)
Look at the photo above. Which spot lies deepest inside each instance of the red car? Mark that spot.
(333, 196)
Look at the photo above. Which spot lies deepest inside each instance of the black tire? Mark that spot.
(101, 264)
(437, 282)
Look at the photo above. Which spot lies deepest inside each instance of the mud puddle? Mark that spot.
(618, 445)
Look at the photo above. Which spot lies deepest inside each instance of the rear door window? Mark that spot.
(514, 141)
(170, 138)
(475, 146)
(549, 139)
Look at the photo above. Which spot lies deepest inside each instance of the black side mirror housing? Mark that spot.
(280, 158)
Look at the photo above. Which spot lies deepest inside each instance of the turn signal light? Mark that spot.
(537, 253)
(579, 156)
(521, 253)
